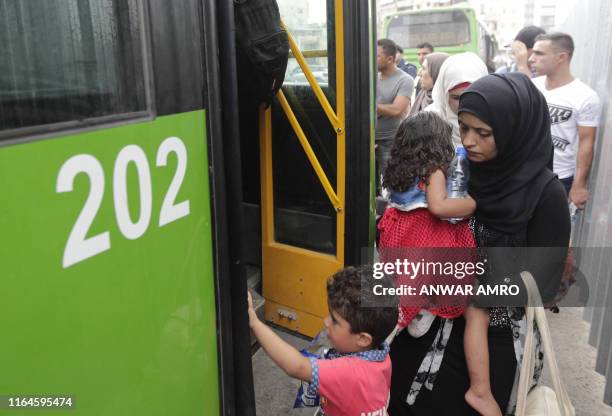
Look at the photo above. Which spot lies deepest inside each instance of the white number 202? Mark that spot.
(79, 247)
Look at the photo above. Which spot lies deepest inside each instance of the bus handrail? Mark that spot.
(329, 190)
(327, 108)
(315, 53)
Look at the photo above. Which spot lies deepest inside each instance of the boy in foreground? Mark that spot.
(356, 377)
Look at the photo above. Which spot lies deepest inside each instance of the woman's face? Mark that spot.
(427, 82)
(453, 98)
(477, 138)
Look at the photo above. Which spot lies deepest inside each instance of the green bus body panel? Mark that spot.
(131, 330)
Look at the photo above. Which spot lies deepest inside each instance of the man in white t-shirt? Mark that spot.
(574, 112)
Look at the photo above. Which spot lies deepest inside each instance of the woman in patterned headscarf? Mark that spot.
(429, 75)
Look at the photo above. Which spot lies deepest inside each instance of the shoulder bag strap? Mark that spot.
(527, 364)
(565, 405)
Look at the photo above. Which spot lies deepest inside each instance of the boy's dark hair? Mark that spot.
(352, 287)
(388, 46)
(425, 45)
(560, 41)
(422, 145)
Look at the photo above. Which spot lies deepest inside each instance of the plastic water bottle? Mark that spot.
(573, 209)
(458, 176)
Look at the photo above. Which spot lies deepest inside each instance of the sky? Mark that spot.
(317, 11)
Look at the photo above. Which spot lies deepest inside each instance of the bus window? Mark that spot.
(69, 61)
(440, 28)
(310, 24)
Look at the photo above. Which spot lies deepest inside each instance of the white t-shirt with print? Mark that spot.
(570, 106)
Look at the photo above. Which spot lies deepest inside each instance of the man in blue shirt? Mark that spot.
(404, 65)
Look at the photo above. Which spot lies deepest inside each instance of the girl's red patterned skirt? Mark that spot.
(418, 236)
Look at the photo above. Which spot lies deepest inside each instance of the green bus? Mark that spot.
(140, 191)
(452, 29)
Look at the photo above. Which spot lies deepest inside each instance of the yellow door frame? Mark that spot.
(294, 278)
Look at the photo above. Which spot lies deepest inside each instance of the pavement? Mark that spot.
(275, 392)
(576, 361)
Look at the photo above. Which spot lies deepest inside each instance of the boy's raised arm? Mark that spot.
(284, 355)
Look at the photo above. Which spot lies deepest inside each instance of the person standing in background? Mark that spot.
(574, 113)
(429, 75)
(403, 64)
(393, 90)
(522, 48)
(456, 74)
(423, 49)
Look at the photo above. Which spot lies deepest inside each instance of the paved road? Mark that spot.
(275, 392)
(576, 359)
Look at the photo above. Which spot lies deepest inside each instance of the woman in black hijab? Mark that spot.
(521, 223)
(507, 186)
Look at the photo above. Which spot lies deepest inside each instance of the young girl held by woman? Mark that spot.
(416, 219)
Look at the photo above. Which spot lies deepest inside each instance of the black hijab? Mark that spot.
(507, 189)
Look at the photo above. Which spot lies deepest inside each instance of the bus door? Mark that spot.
(303, 160)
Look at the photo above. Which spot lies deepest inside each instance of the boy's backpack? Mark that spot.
(262, 49)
